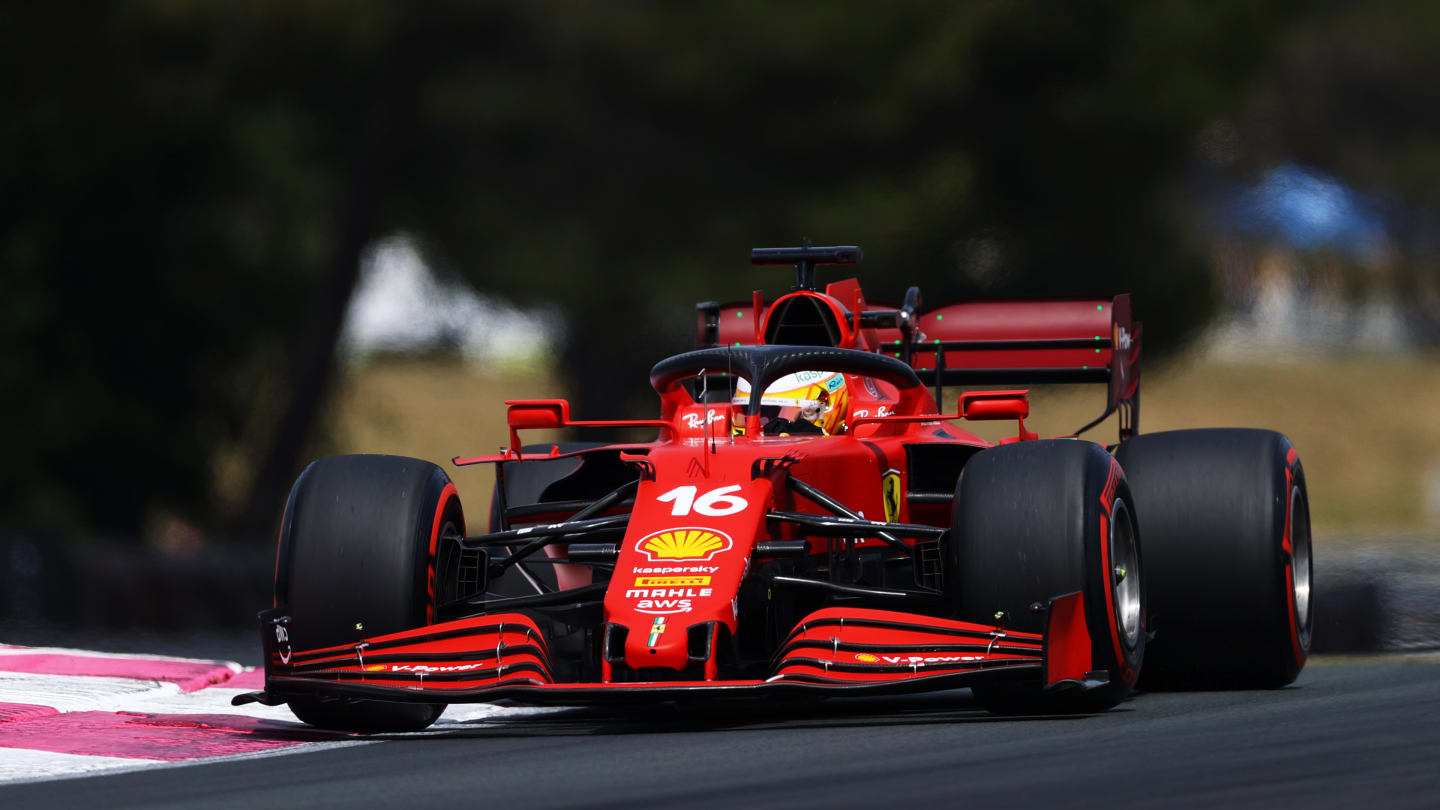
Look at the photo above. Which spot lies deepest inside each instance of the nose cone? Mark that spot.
(671, 579)
(681, 568)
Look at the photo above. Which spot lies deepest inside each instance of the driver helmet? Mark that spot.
(817, 397)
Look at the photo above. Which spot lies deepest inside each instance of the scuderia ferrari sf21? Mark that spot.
(808, 522)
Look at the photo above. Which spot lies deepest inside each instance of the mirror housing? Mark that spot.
(537, 414)
(984, 406)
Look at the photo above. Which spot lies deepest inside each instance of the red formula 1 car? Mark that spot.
(808, 521)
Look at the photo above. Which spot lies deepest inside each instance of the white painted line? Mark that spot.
(68, 693)
(50, 766)
(461, 714)
(23, 765)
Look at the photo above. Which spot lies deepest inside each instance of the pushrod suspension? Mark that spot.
(840, 509)
(579, 522)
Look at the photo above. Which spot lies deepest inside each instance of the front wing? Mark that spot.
(833, 652)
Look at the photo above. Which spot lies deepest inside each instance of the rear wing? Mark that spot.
(978, 343)
(1020, 341)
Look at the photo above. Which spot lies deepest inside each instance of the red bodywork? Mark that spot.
(703, 518)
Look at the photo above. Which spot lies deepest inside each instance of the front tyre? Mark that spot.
(356, 557)
(1040, 519)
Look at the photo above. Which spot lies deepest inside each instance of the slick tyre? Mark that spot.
(357, 548)
(1226, 520)
(1040, 519)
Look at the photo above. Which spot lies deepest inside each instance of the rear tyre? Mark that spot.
(1226, 519)
(1040, 519)
(357, 547)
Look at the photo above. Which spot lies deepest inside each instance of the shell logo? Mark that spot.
(867, 658)
(376, 668)
(687, 543)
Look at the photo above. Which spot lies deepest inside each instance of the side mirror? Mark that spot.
(984, 406)
(535, 414)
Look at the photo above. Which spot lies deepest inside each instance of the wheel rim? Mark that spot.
(1125, 572)
(1300, 566)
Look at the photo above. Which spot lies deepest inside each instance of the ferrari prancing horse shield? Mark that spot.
(890, 489)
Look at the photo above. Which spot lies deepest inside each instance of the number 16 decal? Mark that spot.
(715, 503)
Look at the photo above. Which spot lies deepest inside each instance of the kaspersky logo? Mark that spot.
(687, 543)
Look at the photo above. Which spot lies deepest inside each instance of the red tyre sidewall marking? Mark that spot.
(1107, 502)
(1288, 546)
(445, 495)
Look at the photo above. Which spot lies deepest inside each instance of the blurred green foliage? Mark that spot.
(189, 187)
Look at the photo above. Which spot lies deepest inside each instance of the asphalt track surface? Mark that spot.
(1350, 732)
